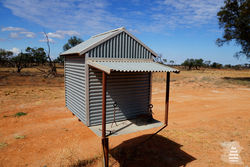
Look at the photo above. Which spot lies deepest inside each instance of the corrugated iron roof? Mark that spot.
(130, 66)
(97, 40)
(93, 41)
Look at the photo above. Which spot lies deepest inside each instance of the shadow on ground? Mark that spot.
(158, 151)
(237, 78)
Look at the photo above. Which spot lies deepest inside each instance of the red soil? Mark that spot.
(203, 114)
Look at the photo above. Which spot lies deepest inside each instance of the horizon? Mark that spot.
(176, 29)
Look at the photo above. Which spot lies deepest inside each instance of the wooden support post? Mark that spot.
(167, 97)
(103, 105)
(105, 144)
(105, 149)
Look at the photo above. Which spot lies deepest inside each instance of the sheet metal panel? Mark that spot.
(75, 86)
(121, 46)
(131, 92)
(130, 66)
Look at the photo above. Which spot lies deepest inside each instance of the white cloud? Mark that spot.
(13, 29)
(94, 16)
(87, 17)
(61, 34)
(15, 51)
(28, 34)
(70, 33)
(18, 32)
(45, 40)
(22, 34)
(55, 35)
(188, 12)
(14, 35)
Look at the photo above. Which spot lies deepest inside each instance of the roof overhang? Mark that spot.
(130, 66)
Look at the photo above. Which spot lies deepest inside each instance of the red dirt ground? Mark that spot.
(205, 111)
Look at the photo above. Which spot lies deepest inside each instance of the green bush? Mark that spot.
(19, 114)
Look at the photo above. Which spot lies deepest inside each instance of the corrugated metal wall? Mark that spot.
(75, 86)
(120, 46)
(131, 92)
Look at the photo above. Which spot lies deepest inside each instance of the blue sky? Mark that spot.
(177, 29)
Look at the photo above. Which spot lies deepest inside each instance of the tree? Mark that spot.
(59, 59)
(73, 41)
(171, 62)
(37, 55)
(188, 63)
(160, 59)
(5, 56)
(216, 65)
(207, 63)
(164, 61)
(20, 61)
(234, 18)
(198, 63)
(52, 64)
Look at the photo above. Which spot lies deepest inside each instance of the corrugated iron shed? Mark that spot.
(108, 78)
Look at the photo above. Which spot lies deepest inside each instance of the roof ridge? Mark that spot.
(117, 29)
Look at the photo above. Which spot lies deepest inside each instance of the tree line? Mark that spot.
(200, 63)
(35, 57)
(31, 57)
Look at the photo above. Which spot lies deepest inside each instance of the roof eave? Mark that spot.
(70, 54)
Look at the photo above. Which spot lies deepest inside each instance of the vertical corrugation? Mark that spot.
(104, 49)
(130, 91)
(116, 49)
(134, 49)
(123, 45)
(75, 86)
(120, 46)
(126, 45)
(129, 46)
(99, 51)
(111, 48)
(141, 53)
(144, 55)
(95, 52)
(107, 53)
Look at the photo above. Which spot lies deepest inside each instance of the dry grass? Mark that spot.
(3, 144)
(19, 136)
(208, 78)
(199, 121)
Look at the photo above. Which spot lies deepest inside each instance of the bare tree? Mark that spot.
(52, 71)
(52, 64)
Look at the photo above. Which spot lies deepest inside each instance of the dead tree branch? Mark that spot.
(52, 65)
